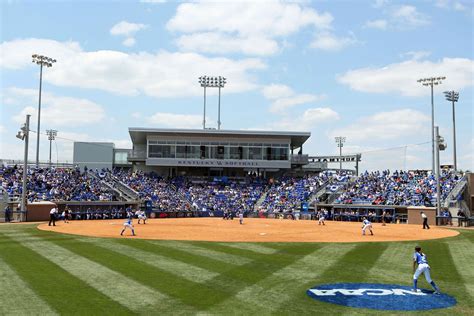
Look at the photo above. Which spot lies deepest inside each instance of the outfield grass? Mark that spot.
(47, 273)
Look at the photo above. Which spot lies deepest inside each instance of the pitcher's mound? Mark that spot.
(253, 230)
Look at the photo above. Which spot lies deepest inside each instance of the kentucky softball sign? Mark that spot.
(380, 296)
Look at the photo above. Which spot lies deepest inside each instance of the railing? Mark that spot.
(299, 159)
(42, 164)
(458, 188)
(125, 189)
(137, 154)
(319, 192)
(107, 185)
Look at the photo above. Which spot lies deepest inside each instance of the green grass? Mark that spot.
(46, 273)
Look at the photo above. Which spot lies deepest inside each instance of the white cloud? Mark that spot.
(129, 42)
(175, 120)
(127, 29)
(160, 74)
(283, 104)
(2, 129)
(276, 91)
(56, 110)
(241, 25)
(284, 98)
(400, 17)
(16, 54)
(401, 77)
(330, 42)
(380, 24)
(386, 126)
(449, 4)
(309, 120)
(380, 3)
(407, 16)
(215, 42)
(416, 55)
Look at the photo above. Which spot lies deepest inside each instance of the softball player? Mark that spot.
(366, 224)
(419, 258)
(321, 218)
(141, 216)
(241, 217)
(128, 224)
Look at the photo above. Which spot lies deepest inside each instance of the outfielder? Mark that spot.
(366, 224)
(128, 224)
(419, 258)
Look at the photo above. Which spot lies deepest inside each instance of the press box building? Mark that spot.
(210, 152)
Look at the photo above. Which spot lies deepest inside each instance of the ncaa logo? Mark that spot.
(380, 296)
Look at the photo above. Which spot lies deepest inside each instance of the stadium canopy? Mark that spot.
(139, 135)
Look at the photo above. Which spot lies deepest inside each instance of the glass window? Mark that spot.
(161, 151)
(181, 151)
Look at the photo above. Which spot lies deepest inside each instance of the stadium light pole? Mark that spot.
(432, 81)
(24, 135)
(453, 96)
(212, 82)
(47, 62)
(51, 136)
(340, 140)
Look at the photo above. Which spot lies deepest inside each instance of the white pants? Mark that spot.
(143, 217)
(368, 226)
(125, 226)
(321, 219)
(425, 269)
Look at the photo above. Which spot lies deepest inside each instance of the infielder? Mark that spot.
(321, 218)
(366, 224)
(241, 217)
(128, 224)
(141, 216)
(419, 258)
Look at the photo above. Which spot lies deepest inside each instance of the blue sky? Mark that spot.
(333, 68)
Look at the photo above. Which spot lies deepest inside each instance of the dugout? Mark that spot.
(354, 212)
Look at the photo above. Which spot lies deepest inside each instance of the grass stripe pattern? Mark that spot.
(63, 274)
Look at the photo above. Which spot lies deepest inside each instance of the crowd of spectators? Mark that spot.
(54, 184)
(274, 195)
(415, 188)
(225, 197)
(288, 193)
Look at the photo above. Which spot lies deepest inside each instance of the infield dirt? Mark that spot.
(253, 230)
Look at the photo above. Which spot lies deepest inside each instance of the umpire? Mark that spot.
(425, 220)
(52, 216)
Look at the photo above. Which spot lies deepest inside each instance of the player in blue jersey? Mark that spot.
(419, 258)
(128, 224)
(366, 224)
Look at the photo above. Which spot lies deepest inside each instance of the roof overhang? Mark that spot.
(139, 135)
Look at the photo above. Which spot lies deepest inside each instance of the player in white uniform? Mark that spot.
(419, 258)
(321, 218)
(241, 217)
(128, 224)
(141, 216)
(366, 224)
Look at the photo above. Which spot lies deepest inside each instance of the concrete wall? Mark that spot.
(93, 155)
(39, 211)
(414, 216)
